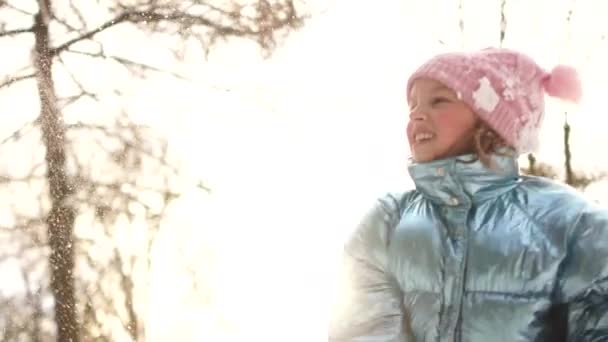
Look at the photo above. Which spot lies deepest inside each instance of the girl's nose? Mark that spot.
(417, 115)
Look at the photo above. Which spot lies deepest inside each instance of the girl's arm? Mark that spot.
(585, 277)
(370, 303)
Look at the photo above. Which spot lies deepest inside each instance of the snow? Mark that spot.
(485, 96)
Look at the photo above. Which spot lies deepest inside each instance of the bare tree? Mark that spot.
(60, 28)
(114, 201)
(137, 183)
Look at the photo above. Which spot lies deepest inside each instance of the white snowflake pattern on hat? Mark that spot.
(513, 89)
(485, 96)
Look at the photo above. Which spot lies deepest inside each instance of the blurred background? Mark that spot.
(188, 170)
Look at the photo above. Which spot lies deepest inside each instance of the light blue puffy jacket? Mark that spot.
(475, 255)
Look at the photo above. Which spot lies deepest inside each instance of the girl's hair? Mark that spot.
(487, 142)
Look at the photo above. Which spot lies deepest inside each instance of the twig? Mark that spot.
(23, 225)
(119, 19)
(66, 101)
(65, 23)
(83, 92)
(16, 32)
(124, 141)
(79, 15)
(127, 63)
(14, 8)
(21, 132)
(10, 80)
(9, 179)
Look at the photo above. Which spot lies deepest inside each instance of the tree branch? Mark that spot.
(129, 64)
(78, 14)
(10, 80)
(128, 288)
(9, 179)
(66, 101)
(16, 32)
(17, 9)
(83, 92)
(125, 141)
(119, 19)
(186, 20)
(65, 23)
(20, 132)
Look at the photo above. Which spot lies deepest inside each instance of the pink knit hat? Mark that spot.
(505, 88)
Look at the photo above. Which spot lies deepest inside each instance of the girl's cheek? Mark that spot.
(446, 113)
(446, 117)
(408, 133)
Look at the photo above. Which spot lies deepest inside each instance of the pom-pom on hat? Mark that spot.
(505, 88)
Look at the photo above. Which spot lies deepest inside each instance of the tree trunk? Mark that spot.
(60, 220)
(532, 164)
(503, 23)
(568, 153)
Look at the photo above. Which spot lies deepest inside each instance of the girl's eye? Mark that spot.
(438, 100)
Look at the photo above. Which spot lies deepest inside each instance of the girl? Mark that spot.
(478, 252)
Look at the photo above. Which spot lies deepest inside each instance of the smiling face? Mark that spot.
(440, 125)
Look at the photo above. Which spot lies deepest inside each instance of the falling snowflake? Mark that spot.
(485, 96)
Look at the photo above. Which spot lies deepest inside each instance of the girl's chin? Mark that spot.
(422, 158)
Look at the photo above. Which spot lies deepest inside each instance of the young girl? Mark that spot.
(478, 252)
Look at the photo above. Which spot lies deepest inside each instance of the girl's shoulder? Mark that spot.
(394, 204)
(544, 191)
(556, 203)
(384, 213)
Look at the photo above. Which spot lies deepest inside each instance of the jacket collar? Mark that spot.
(458, 181)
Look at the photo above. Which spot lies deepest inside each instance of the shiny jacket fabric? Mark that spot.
(475, 255)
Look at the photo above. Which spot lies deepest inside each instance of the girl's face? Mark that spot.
(440, 125)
